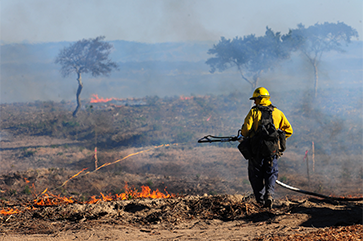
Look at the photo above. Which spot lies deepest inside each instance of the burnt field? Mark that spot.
(46, 154)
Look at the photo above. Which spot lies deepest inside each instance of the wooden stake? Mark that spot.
(96, 160)
(313, 155)
(96, 164)
(307, 166)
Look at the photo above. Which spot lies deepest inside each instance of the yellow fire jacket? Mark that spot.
(253, 117)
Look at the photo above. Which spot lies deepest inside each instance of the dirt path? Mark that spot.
(214, 230)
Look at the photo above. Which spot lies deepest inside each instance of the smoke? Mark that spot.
(183, 21)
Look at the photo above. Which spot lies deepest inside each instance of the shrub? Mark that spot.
(27, 190)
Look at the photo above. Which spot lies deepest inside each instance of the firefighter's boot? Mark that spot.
(268, 201)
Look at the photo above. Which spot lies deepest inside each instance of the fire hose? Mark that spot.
(317, 194)
(210, 139)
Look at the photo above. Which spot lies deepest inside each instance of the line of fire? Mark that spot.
(46, 198)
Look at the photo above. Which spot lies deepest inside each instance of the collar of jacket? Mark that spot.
(265, 102)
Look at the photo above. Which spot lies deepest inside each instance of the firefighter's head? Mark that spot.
(260, 92)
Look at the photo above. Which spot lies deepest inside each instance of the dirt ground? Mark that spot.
(212, 196)
(217, 218)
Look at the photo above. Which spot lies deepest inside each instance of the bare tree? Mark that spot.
(318, 39)
(86, 56)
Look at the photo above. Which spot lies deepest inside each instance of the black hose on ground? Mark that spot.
(317, 194)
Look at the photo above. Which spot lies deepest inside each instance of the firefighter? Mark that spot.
(263, 172)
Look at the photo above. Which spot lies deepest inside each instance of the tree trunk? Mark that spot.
(316, 75)
(254, 83)
(80, 86)
(256, 78)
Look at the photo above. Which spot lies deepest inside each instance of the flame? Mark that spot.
(145, 193)
(54, 200)
(186, 98)
(48, 199)
(131, 194)
(95, 99)
(9, 211)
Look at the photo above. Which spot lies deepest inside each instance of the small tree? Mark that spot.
(318, 39)
(85, 56)
(251, 55)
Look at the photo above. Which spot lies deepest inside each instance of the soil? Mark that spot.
(211, 196)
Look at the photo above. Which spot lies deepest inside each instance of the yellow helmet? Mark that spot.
(260, 92)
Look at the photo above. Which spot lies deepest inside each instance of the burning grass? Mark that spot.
(47, 199)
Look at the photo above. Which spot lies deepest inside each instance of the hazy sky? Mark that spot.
(155, 21)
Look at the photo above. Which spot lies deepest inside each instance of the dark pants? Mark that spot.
(262, 177)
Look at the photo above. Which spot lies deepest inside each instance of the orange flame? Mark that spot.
(145, 193)
(49, 199)
(186, 98)
(9, 211)
(53, 200)
(95, 99)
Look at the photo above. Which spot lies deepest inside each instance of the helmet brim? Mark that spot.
(261, 96)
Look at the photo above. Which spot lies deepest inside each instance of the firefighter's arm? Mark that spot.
(285, 126)
(247, 125)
